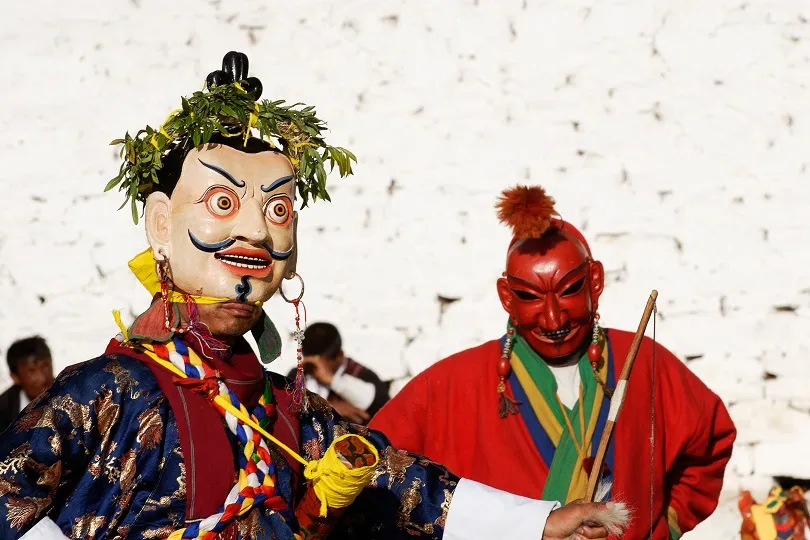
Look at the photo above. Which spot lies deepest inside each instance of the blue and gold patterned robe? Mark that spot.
(99, 453)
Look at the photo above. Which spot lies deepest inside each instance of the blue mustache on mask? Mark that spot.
(228, 242)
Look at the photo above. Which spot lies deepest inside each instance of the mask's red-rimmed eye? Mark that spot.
(221, 203)
(279, 210)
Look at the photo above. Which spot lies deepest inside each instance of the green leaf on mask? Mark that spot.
(294, 129)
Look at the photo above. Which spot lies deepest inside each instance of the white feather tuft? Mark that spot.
(602, 490)
(615, 517)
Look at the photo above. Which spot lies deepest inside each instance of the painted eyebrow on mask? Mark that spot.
(277, 184)
(534, 286)
(570, 273)
(223, 172)
(522, 281)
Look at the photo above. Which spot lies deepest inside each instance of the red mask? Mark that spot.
(551, 290)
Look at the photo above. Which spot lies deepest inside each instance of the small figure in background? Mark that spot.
(782, 516)
(31, 369)
(355, 391)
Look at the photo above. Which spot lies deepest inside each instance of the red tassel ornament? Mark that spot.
(595, 356)
(506, 405)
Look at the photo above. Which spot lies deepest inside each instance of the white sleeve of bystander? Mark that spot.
(481, 512)
(356, 391)
(45, 529)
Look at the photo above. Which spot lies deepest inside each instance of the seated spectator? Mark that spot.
(354, 391)
(29, 362)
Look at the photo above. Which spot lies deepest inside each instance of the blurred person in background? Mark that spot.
(352, 389)
(31, 369)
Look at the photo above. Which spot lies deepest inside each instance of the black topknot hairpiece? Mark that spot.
(234, 70)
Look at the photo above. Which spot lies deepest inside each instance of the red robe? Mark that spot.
(449, 414)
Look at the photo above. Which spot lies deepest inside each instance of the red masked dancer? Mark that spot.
(525, 412)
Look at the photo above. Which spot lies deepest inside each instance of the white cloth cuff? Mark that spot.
(356, 391)
(45, 529)
(480, 512)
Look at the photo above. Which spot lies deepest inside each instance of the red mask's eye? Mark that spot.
(574, 288)
(278, 210)
(221, 203)
(525, 295)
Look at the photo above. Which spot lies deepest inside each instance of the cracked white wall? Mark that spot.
(674, 133)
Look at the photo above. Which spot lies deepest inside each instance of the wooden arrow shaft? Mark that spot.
(618, 398)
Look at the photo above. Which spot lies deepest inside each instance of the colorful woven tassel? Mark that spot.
(257, 473)
(336, 480)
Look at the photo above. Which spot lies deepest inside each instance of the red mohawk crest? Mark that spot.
(529, 211)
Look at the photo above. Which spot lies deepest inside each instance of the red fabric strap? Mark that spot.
(207, 454)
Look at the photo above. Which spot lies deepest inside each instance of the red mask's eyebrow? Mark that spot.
(522, 281)
(571, 272)
(535, 287)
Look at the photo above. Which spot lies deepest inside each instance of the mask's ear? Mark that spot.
(505, 294)
(158, 223)
(597, 281)
(292, 264)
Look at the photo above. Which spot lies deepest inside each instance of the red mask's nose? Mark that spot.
(552, 315)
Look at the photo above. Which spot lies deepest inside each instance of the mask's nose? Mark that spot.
(551, 313)
(249, 224)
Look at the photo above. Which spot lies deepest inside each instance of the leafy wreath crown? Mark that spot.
(229, 105)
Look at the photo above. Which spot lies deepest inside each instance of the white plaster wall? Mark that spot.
(675, 133)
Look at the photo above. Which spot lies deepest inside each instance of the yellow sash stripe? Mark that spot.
(675, 528)
(539, 405)
(579, 484)
(554, 429)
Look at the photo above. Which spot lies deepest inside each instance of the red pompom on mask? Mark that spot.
(528, 211)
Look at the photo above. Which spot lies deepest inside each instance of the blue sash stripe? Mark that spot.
(542, 442)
